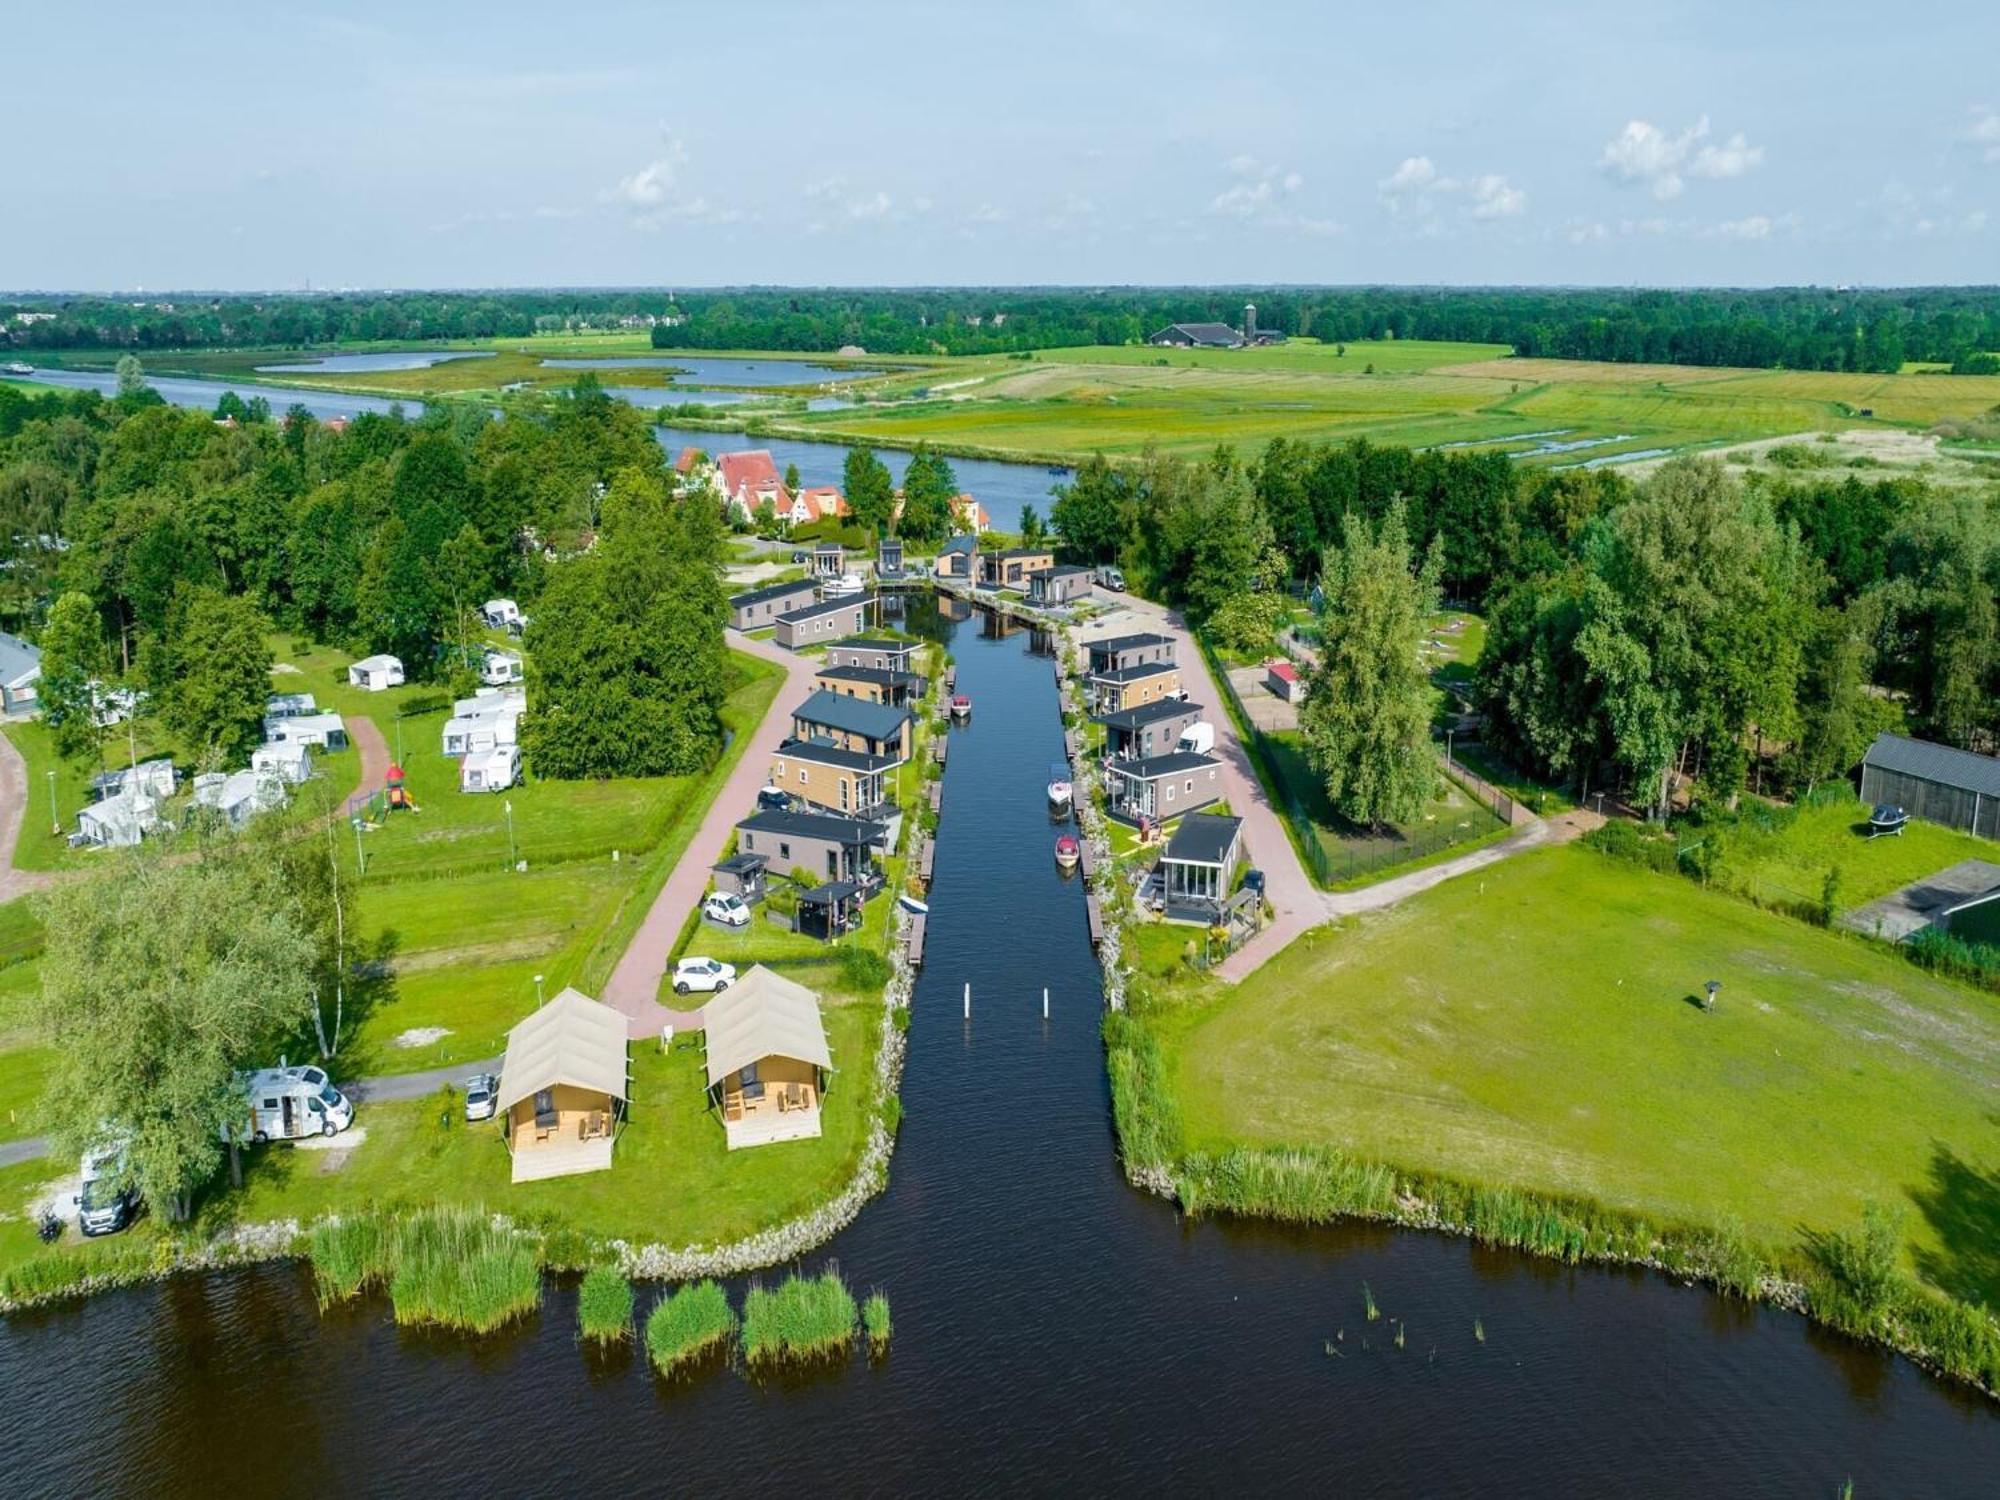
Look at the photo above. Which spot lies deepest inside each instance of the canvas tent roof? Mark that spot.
(763, 1015)
(573, 1039)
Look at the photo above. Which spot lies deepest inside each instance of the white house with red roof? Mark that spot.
(749, 479)
(816, 502)
(968, 515)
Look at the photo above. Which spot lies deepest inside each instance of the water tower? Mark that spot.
(1249, 322)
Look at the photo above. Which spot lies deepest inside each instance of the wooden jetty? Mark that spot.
(938, 749)
(914, 940)
(1087, 860)
(1096, 917)
(1073, 743)
(937, 796)
(926, 856)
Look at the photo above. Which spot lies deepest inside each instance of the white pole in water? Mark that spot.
(968, 1000)
(1045, 1002)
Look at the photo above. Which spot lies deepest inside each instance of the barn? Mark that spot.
(1934, 782)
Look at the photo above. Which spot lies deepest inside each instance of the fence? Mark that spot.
(1336, 867)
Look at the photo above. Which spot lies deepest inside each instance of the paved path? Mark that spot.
(366, 736)
(634, 985)
(13, 812)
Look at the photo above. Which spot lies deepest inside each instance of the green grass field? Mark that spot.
(1535, 1027)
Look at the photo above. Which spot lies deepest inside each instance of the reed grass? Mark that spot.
(875, 1320)
(604, 1305)
(349, 1256)
(1368, 1303)
(692, 1322)
(1479, 1330)
(804, 1318)
(457, 1269)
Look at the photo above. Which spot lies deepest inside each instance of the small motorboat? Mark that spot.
(961, 707)
(1886, 818)
(1068, 851)
(846, 586)
(17, 367)
(1060, 791)
(912, 904)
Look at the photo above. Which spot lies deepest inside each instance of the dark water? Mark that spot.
(712, 371)
(1003, 488)
(1055, 1329)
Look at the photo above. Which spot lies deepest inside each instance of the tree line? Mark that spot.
(1799, 328)
(157, 548)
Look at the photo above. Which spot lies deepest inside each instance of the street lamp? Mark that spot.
(1710, 988)
(360, 859)
(538, 989)
(55, 818)
(510, 833)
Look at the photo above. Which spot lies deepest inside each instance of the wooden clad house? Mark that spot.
(563, 1088)
(822, 623)
(831, 778)
(768, 1061)
(854, 723)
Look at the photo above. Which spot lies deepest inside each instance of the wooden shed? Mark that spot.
(1934, 782)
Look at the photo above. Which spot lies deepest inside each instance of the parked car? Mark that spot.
(482, 1096)
(801, 557)
(1197, 739)
(706, 974)
(773, 799)
(105, 1206)
(727, 908)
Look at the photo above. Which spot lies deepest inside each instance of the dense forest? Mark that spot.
(1694, 628)
(1805, 328)
(156, 548)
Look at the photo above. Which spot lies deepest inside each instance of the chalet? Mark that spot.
(767, 1059)
(1163, 786)
(816, 624)
(854, 723)
(1197, 871)
(882, 653)
(1119, 651)
(1937, 783)
(876, 684)
(829, 559)
(1150, 730)
(563, 1088)
(1131, 687)
(322, 731)
(749, 480)
(1010, 569)
(761, 607)
(20, 673)
(376, 674)
(1056, 586)
(1282, 678)
(959, 558)
(819, 845)
(828, 777)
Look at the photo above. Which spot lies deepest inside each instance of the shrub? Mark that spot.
(688, 1324)
(804, 1318)
(875, 1319)
(604, 1305)
(861, 968)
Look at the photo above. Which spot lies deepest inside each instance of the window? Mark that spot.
(802, 775)
(1170, 791)
(784, 849)
(1190, 786)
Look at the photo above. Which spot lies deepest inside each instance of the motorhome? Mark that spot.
(1197, 739)
(287, 1104)
(107, 1199)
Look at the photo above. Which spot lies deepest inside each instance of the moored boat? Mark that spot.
(1068, 851)
(961, 707)
(913, 904)
(1060, 791)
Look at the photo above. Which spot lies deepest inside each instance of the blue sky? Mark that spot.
(198, 145)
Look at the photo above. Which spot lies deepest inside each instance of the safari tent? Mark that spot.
(563, 1088)
(767, 1059)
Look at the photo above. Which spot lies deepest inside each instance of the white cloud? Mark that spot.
(1416, 189)
(1413, 174)
(1643, 153)
(1258, 193)
(1493, 197)
(648, 187)
(1983, 135)
(652, 196)
(1907, 214)
(1755, 227)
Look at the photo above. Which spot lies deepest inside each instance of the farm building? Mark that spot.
(816, 624)
(768, 1061)
(322, 731)
(760, 607)
(1062, 585)
(1197, 336)
(20, 672)
(376, 674)
(1282, 678)
(1934, 782)
(562, 1088)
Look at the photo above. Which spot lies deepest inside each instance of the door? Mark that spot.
(289, 1115)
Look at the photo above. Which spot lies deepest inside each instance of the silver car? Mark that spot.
(482, 1096)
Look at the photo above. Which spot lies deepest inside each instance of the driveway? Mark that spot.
(367, 738)
(634, 986)
(13, 812)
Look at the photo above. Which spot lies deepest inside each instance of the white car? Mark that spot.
(702, 974)
(482, 1095)
(727, 908)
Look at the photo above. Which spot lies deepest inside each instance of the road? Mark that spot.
(634, 985)
(13, 812)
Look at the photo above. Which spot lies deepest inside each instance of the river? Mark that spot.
(1003, 488)
(1056, 1330)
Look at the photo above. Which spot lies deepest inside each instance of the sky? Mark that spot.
(200, 146)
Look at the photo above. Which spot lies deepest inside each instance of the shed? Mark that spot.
(829, 911)
(376, 674)
(741, 875)
(20, 674)
(768, 1061)
(563, 1087)
(1282, 678)
(1937, 783)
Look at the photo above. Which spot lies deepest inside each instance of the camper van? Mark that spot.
(1197, 739)
(288, 1103)
(502, 614)
(107, 1200)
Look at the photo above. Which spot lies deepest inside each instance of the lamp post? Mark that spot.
(55, 818)
(360, 859)
(509, 808)
(538, 989)
(1710, 989)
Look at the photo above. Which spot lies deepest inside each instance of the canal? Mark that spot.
(1055, 1329)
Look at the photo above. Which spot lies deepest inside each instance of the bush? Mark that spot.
(804, 1318)
(604, 1305)
(688, 1324)
(1935, 949)
(862, 969)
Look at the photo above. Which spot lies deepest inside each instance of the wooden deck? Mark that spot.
(1073, 743)
(769, 1127)
(926, 857)
(1096, 917)
(937, 796)
(1088, 859)
(915, 940)
(938, 747)
(561, 1158)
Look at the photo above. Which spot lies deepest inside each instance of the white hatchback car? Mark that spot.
(727, 908)
(702, 974)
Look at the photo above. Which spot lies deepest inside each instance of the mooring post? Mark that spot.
(1045, 1002)
(968, 1000)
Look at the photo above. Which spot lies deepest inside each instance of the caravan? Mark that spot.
(500, 668)
(287, 1104)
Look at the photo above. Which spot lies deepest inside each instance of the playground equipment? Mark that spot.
(396, 793)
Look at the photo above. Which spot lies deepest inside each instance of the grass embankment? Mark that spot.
(801, 1320)
(1523, 1057)
(604, 1306)
(452, 1267)
(694, 1322)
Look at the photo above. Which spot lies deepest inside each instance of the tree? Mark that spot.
(1839, 716)
(1093, 512)
(131, 375)
(929, 487)
(1367, 709)
(218, 675)
(793, 484)
(1031, 527)
(74, 663)
(160, 981)
(871, 493)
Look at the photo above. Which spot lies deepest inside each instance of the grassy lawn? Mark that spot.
(1535, 1028)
